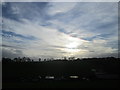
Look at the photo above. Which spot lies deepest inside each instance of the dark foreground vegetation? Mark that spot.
(61, 73)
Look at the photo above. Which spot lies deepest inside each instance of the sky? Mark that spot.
(59, 29)
(60, 0)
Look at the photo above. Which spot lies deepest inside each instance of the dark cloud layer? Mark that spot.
(12, 53)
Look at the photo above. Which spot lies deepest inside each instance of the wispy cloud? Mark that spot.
(60, 8)
(61, 29)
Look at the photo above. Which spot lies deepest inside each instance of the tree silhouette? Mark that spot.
(39, 59)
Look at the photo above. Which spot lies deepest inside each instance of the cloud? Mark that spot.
(88, 19)
(45, 37)
(60, 29)
(61, 1)
(11, 53)
(62, 7)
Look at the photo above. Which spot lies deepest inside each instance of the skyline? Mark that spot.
(59, 29)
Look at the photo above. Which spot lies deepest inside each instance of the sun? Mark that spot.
(72, 45)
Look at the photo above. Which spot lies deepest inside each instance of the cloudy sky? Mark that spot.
(59, 29)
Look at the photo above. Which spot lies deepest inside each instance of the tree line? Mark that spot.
(27, 59)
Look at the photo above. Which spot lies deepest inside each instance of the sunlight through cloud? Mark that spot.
(53, 29)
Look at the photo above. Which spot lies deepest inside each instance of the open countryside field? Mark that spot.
(62, 74)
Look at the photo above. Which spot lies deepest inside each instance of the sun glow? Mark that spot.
(72, 45)
(72, 50)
